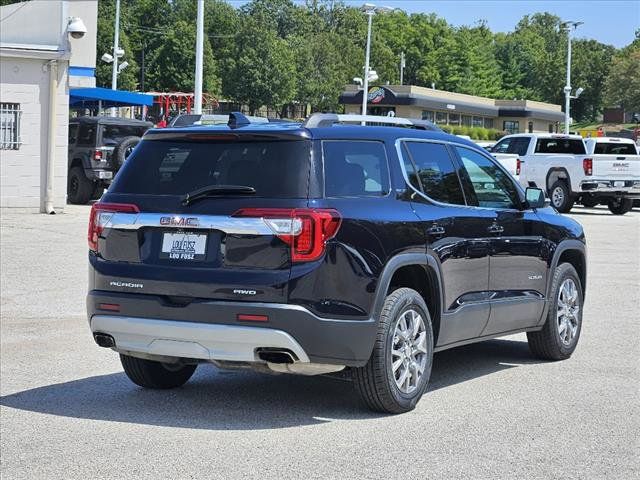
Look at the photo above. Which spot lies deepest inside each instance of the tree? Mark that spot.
(264, 69)
(127, 78)
(172, 66)
(591, 65)
(623, 84)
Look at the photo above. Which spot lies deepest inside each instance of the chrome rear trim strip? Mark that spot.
(226, 224)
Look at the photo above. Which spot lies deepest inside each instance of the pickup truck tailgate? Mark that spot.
(618, 166)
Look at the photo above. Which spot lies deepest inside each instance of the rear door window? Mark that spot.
(355, 169)
(571, 146)
(431, 170)
(276, 169)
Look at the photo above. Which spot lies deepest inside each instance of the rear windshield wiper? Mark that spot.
(212, 190)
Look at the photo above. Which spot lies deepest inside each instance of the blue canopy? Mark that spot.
(89, 97)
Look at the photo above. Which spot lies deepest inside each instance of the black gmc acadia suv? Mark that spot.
(325, 247)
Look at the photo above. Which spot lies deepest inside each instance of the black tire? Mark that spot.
(562, 200)
(589, 202)
(79, 187)
(620, 206)
(98, 190)
(150, 374)
(376, 381)
(123, 149)
(547, 344)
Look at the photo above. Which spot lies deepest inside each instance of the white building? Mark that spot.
(39, 62)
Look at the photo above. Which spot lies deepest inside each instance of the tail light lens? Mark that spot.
(518, 166)
(100, 216)
(587, 166)
(97, 155)
(305, 230)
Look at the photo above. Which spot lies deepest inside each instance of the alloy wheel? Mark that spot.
(409, 351)
(557, 196)
(568, 310)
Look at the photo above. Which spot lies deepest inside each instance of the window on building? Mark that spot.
(441, 118)
(478, 122)
(551, 128)
(466, 120)
(530, 127)
(428, 115)
(488, 122)
(10, 114)
(454, 119)
(511, 126)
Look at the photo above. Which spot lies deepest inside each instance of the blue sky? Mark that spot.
(608, 21)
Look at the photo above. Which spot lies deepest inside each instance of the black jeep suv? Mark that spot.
(98, 146)
(324, 247)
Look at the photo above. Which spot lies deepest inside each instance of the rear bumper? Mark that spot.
(611, 188)
(192, 340)
(209, 330)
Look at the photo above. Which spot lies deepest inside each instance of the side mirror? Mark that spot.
(534, 197)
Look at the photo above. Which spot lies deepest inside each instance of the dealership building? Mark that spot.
(455, 109)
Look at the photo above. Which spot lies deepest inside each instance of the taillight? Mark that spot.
(100, 216)
(518, 166)
(97, 155)
(587, 166)
(305, 230)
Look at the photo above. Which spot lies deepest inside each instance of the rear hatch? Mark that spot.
(616, 159)
(209, 214)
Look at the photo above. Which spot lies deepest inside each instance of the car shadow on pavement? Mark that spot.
(244, 400)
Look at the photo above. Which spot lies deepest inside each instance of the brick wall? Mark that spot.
(23, 171)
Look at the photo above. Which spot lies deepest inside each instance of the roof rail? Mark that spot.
(318, 120)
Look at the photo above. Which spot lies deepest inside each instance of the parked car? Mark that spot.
(561, 166)
(621, 156)
(189, 119)
(325, 247)
(98, 146)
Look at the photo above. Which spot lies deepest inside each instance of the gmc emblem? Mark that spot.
(180, 221)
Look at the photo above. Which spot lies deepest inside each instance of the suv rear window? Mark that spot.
(276, 169)
(615, 149)
(572, 146)
(355, 168)
(113, 134)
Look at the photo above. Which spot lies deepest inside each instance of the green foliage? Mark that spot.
(623, 83)
(274, 52)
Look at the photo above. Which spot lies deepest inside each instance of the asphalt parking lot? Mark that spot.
(492, 411)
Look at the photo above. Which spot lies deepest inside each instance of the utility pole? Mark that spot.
(116, 48)
(197, 102)
(402, 65)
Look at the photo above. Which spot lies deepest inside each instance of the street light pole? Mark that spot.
(567, 88)
(365, 81)
(402, 65)
(116, 41)
(197, 101)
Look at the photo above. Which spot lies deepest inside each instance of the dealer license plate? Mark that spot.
(184, 246)
(618, 184)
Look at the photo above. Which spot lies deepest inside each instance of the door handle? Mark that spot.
(435, 230)
(495, 228)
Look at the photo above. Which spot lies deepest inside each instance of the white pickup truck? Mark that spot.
(562, 166)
